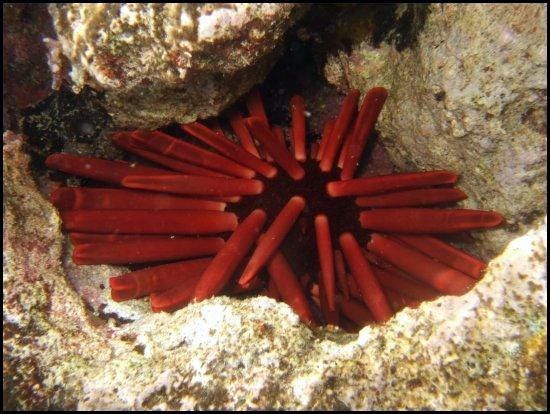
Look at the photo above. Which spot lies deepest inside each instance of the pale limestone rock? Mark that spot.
(163, 63)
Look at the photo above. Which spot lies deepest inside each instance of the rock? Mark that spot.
(163, 63)
(27, 78)
(483, 350)
(49, 336)
(468, 94)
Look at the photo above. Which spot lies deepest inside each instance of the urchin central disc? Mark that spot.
(300, 244)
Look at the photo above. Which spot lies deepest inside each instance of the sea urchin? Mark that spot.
(304, 212)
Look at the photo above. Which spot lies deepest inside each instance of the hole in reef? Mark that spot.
(298, 71)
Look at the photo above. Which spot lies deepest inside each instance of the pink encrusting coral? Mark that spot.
(372, 258)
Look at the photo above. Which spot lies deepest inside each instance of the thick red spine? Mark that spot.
(176, 148)
(236, 289)
(331, 316)
(273, 238)
(174, 298)
(97, 169)
(229, 199)
(388, 183)
(279, 133)
(413, 198)
(349, 106)
(392, 280)
(399, 301)
(277, 150)
(289, 287)
(327, 131)
(148, 222)
(424, 220)
(356, 312)
(298, 112)
(370, 288)
(368, 114)
(241, 131)
(341, 273)
(326, 259)
(79, 198)
(229, 149)
(195, 185)
(228, 258)
(345, 148)
(87, 238)
(272, 291)
(354, 289)
(155, 279)
(255, 106)
(445, 253)
(143, 251)
(348, 138)
(126, 141)
(441, 277)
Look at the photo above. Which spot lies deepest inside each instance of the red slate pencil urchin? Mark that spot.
(369, 241)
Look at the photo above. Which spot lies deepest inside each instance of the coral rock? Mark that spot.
(163, 63)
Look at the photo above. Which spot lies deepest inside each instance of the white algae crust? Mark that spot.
(484, 350)
(166, 62)
(469, 95)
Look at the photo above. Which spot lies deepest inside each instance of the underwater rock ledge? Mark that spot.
(163, 63)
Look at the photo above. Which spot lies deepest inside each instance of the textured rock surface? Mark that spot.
(469, 95)
(160, 63)
(485, 350)
(26, 77)
(49, 337)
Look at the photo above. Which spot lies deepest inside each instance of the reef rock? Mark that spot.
(483, 350)
(467, 92)
(27, 79)
(163, 63)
